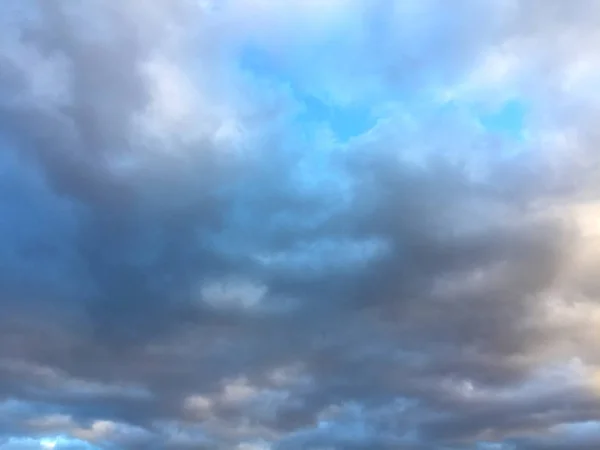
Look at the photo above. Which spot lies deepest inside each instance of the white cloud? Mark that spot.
(233, 294)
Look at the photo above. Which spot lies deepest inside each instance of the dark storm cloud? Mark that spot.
(188, 261)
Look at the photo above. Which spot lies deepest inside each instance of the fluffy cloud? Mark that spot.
(336, 224)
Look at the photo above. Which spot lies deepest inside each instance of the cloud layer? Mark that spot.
(310, 224)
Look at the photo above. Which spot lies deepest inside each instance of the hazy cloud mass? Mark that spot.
(299, 225)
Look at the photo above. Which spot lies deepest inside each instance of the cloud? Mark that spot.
(336, 224)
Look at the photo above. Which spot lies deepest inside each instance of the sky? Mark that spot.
(299, 225)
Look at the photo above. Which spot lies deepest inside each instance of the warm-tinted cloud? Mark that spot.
(311, 224)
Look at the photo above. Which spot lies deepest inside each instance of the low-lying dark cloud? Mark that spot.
(303, 225)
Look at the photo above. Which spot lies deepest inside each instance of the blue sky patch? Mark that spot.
(508, 120)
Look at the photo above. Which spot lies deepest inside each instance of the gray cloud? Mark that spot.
(194, 256)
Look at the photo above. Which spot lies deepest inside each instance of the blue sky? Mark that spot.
(310, 224)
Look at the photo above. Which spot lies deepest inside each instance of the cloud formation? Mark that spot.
(311, 224)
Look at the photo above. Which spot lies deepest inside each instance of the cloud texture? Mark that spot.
(300, 224)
